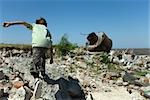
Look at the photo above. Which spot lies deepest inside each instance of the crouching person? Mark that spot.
(99, 42)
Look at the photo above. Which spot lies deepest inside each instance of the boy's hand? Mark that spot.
(51, 61)
(6, 24)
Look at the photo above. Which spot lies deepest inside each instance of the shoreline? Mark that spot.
(136, 51)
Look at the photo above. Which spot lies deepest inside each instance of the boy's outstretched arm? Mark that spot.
(7, 24)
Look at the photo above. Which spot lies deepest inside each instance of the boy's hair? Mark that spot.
(45, 23)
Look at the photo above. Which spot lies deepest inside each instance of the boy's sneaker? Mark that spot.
(38, 89)
(41, 75)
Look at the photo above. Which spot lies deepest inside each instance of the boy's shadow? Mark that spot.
(69, 89)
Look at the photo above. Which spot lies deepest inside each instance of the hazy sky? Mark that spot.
(126, 22)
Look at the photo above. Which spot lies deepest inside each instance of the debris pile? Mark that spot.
(80, 75)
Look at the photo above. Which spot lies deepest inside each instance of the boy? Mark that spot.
(41, 41)
(99, 42)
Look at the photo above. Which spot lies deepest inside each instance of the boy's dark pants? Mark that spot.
(38, 64)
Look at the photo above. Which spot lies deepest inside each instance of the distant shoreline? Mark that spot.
(136, 51)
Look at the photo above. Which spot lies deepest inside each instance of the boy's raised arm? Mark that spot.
(7, 24)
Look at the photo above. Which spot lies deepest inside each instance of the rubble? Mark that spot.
(80, 75)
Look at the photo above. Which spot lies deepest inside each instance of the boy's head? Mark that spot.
(41, 21)
(92, 38)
